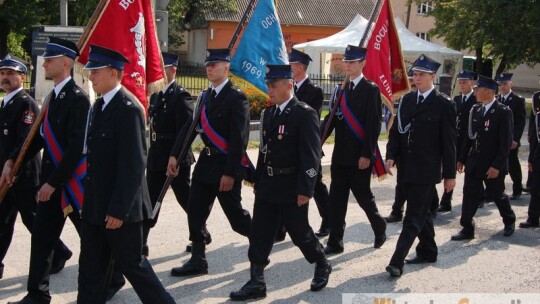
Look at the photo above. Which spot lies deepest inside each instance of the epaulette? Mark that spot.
(373, 84)
(445, 96)
(235, 88)
(303, 105)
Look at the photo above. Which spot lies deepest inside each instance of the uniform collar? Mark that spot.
(107, 97)
(357, 80)
(219, 87)
(467, 95)
(299, 84)
(506, 96)
(167, 87)
(9, 96)
(58, 88)
(489, 105)
(426, 93)
(284, 105)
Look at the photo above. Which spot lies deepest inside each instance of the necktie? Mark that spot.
(277, 111)
(420, 99)
(98, 107)
(351, 86)
(295, 89)
(463, 98)
(213, 95)
(484, 110)
(502, 99)
(2, 106)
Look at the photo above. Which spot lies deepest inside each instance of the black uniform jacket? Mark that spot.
(16, 120)
(430, 142)
(365, 103)
(116, 152)
(292, 142)
(311, 94)
(463, 110)
(228, 115)
(67, 116)
(534, 127)
(167, 114)
(493, 140)
(516, 103)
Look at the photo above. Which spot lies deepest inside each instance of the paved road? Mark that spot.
(489, 263)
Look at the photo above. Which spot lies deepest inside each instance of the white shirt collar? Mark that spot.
(506, 96)
(489, 105)
(467, 95)
(357, 80)
(58, 88)
(299, 84)
(107, 97)
(167, 87)
(8, 97)
(284, 105)
(426, 93)
(219, 87)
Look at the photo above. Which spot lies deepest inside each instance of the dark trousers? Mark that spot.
(48, 225)
(15, 200)
(417, 223)
(266, 219)
(124, 244)
(321, 198)
(514, 169)
(471, 198)
(179, 185)
(534, 205)
(201, 201)
(344, 180)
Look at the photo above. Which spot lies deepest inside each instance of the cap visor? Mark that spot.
(91, 65)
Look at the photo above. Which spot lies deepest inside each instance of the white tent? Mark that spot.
(411, 47)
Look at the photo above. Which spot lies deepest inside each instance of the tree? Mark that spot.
(505, 30)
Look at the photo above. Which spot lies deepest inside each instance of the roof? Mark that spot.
(305, 12)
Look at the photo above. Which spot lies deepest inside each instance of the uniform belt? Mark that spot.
(156, 136)
(271, 171)
(211, 151)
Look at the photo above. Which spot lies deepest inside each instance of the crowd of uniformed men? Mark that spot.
(97, 170)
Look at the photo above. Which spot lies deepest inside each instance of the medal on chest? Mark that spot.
(281, 131)
(486, 125)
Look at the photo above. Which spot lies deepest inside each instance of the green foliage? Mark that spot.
(257, 103)
(505, 30)
(184, 13)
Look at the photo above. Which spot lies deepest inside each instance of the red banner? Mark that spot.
(384, 64)
(127, 26)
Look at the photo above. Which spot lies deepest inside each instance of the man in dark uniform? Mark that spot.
(533, 219)
(308, 92)
(116, 197)
(289, 157)
(424, 140)
(354, 150)
(516, 103)
(18, 111)
(464, 102)
(221, 167)
(169, 110)
(62, 135)
(484, 155)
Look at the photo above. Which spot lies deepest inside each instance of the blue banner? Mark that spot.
(262, 43)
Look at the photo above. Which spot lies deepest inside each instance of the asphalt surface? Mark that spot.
(490, 263)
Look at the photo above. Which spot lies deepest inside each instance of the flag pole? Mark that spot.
(196, 118)
(374, 15)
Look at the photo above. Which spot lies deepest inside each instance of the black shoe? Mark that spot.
(196, 265)
(28, 300)
(515, 196)
(251, 290)
(394, 271)
(420, 260)
(379, 241)
(59, 263)
(481, 205)
(113, 290)
(509, 229)
(433, 214)
(323, 231)
(1, 270)
(145, 250)
(393, 218)
(329, 249)
(527, 190)
(444, 208)
(322, 274)
(527, 224)
(462, 236)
